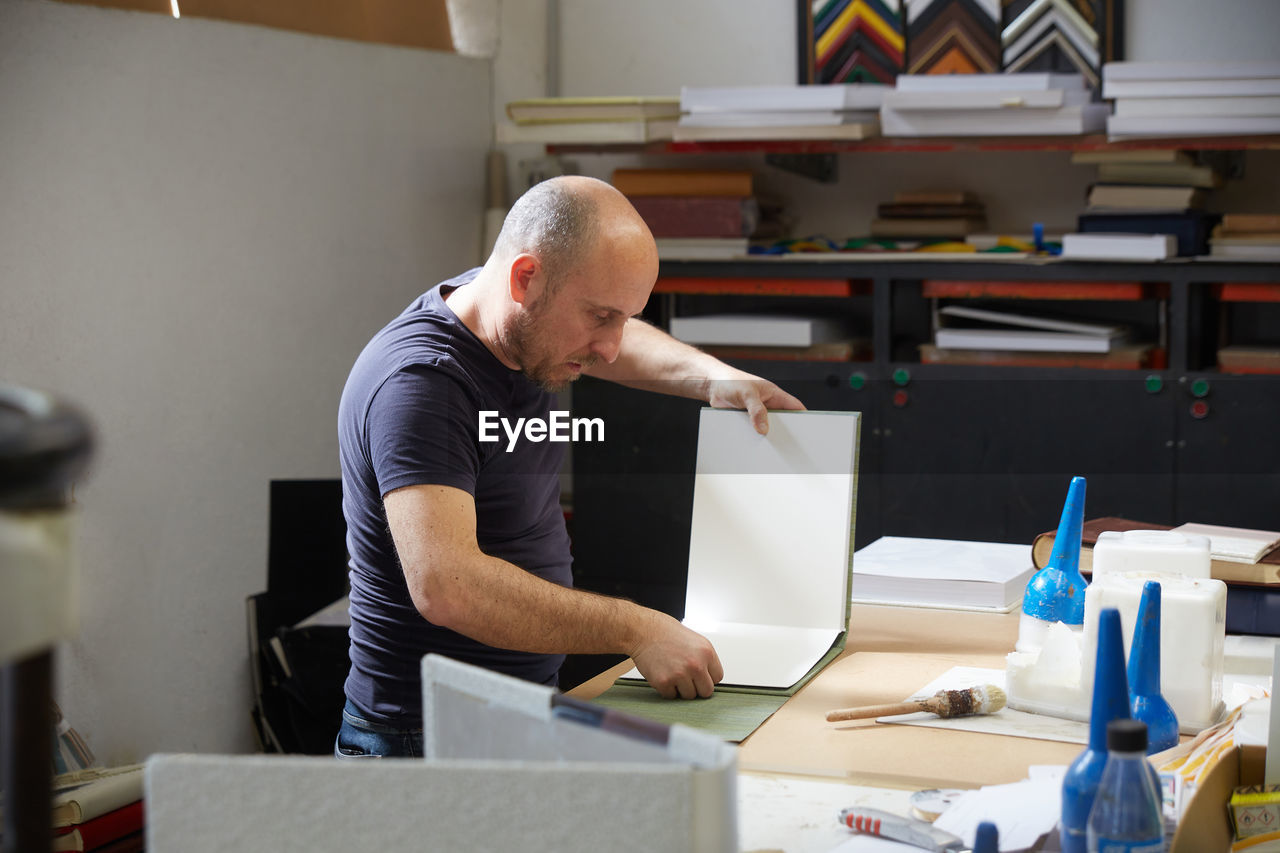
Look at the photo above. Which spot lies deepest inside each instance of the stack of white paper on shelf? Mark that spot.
(1023, 104)
(835, 111)
(1097, 246)
(1186, 98)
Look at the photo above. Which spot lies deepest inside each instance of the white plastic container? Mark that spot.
(1193, 616)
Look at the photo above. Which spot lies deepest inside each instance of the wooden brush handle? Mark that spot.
(867, 711)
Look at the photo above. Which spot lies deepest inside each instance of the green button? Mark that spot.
(901, 376)
(1200, 387)
(858, 380)
(1154, 383)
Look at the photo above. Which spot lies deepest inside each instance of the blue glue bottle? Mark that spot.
(986, 839)
(1146, 702)
(1126, 816)
(1056, 592)
(1110, 702)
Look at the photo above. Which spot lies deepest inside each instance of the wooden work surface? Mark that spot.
(891, 653)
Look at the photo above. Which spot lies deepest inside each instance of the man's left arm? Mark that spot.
(652, 360)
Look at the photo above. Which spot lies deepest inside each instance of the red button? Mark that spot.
(1199, 409)
(900, 398)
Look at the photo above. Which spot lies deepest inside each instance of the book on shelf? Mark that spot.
(1119, 246)
(1190, 229)
(1247, 223)
(1025, 81)
(698, 216)
(1133, 196)
(609, 108)
(1265, 571)
(1159, 174)
(1145, 126)
(586, 132)
(1237, 252)
(1166, 156)
(938, 226)
(1124, 357)
(1190, 69)
(1207, 88)
(782, 98)
(1027, 321)
(898, 210)
(1007, 330)
(1227, 105)
(702, 248)
(795, 118)
(849, 349)
(1000, 100)
(1064, 121)
(948, 197)
(1240, 358)
(850, 131)
(683, 182)
(98, 796)
(101, 830)
(945, 573)
(757, 330)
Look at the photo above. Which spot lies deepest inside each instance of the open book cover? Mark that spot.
(771, 544)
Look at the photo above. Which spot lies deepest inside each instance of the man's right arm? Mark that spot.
(457, 586)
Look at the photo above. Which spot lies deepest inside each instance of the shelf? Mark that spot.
(1252, 291)
(1062, 290)
(762, 286)
(880, 144)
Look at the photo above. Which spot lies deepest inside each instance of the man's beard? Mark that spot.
(532, 354)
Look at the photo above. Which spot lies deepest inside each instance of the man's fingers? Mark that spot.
(703, 684)
(759, 415)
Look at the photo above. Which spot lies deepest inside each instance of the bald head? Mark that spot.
(563, 220)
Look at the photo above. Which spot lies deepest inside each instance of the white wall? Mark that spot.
(201, 224)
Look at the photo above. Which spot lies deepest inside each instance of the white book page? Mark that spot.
(762, 655)
(771, 540)
(1233, 544)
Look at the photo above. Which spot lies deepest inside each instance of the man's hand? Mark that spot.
(677, 662)
(740, 390)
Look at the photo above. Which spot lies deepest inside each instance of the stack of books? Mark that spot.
(694, 214)
(774, 337)
(99, 809)
(1189, 98)
(1247, 237)
(589, 121)
(931, 215)
(836, 111)
(1149, 192)
(1023, 104)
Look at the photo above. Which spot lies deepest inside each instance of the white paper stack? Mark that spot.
(1024, 104)
(1185, 98)
(832, 111)
(942, 573)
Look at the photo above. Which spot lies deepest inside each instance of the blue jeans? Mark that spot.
(360, 737)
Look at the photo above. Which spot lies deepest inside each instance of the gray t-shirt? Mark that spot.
(409, 415)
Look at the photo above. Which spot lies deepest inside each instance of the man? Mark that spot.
(457, 543)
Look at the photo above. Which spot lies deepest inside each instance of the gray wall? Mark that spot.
(201, 223)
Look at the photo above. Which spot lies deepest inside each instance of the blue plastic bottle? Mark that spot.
(1126, 815)
(1146, 702)
(1056, 592)
(1110, 701)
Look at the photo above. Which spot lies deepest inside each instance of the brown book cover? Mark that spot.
(952, 226)
(1246, 359)
(895, 209)
(1250, 223)
(856, 349)
(683, 182)
(935, 197)
(1265, 571)
(698, 216)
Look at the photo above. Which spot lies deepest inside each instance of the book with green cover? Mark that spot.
(770, 563)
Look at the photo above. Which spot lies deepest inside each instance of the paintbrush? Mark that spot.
(986, 699)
